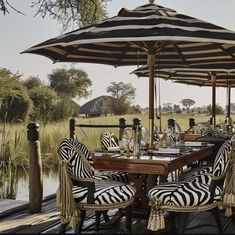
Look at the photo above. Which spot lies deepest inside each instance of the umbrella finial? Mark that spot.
(151, 1)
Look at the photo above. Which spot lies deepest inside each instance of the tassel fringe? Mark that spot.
(64, 198)
(229, 190)
(156, 219)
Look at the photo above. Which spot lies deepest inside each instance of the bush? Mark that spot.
(43, 99)
(62, 109)
(15, 104)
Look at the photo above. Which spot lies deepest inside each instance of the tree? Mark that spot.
(15, 104)
(43, 100)
(32, 82)
(167, 107)
(176, 108)
(218, 109)
(124, 92)
(70, 82)
(67, 12)
(119, 107)
(62, 109)
(187, 103)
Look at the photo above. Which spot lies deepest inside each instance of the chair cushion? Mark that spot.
(106, 192)
(193, 193)
(112, 175)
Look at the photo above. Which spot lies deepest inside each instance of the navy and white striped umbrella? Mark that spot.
(199, 77)
(148, 34)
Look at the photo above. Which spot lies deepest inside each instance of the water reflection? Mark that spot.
(14, 182)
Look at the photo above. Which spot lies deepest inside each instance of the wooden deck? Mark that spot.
(19, 220)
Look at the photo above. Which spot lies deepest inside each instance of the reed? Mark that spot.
(13, 139)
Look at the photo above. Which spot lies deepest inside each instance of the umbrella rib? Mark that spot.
(122, 55)
(69, 50)
(225, 50)
(180, 54)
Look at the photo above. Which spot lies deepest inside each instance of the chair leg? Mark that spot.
(78, 229)
(62, 228)
(97, 220)
(173, 228)
(129, 218)
(183, 219)
(215, 211)
(106, 217)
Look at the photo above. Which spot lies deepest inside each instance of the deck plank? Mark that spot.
(48, 222)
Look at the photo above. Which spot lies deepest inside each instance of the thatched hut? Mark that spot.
(99, 106)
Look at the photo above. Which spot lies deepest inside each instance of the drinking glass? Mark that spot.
(122, 146)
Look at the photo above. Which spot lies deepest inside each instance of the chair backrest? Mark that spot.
(223, 158)
(108, 139)
(209, 132)
(80, 163)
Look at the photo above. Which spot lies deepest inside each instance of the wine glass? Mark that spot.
(144, 137)
(176, 135)
(122, 146)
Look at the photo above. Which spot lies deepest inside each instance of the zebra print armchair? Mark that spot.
(79, 191)
(200, 192)
(108, 139)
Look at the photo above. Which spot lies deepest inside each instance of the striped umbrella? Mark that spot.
(148, 34)
(199, 77)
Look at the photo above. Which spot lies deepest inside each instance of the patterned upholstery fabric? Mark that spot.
(78, 167)
(222, 158)
(112, 175)
(196, 172)
(194, 191)
(209, 132)
(105, 193)
(191, 193)
(108, 139)
(81, 166)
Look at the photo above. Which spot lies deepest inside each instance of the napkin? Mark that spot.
(192, 144)
(114, 149)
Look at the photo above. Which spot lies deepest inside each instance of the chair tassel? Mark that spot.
(150, 221)
(228, 211)
(64, 198)
(229, 191)
(156, 219)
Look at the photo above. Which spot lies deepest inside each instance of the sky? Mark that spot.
(19, 32)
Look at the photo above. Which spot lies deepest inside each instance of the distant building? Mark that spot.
(99, 106)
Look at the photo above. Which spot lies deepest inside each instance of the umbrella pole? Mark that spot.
(151, 64)
(160, 109)
(229, 101)
(213, 101)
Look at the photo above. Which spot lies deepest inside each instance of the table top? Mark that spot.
(161, 164)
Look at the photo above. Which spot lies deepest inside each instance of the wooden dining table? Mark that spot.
(142, 167)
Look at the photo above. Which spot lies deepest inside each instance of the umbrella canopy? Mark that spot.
(199, 77)
(148, 34)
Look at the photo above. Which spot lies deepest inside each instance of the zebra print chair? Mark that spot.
(200, 192)
(89, 194)
(108, 139)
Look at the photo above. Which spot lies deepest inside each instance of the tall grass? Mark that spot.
(13, 138)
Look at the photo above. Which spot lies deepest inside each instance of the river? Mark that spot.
(16, 185)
